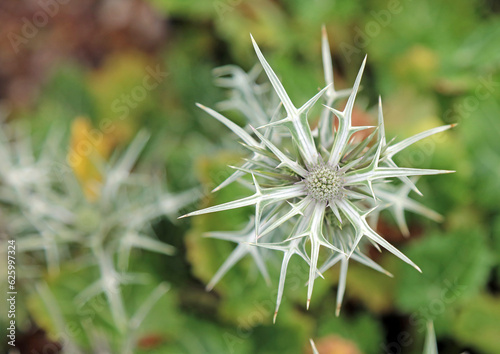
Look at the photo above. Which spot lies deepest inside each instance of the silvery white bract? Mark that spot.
(317, 188)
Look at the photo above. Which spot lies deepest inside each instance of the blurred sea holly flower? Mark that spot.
(91, 207)
(314, 189)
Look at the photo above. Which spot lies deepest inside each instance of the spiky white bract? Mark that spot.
(313, 346)
(430, 346)
(244, 239)
(316, 189)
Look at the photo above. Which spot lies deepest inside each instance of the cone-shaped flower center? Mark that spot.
(324, 183)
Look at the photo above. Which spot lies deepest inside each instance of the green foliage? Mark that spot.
(478, 324)
(455, 267)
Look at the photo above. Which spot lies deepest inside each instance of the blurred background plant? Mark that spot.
(139, 66)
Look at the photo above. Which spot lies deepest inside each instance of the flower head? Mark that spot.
(318, 188)
(324, 183)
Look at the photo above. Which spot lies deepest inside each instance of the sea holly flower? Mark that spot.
(317, 189)
(83, 208)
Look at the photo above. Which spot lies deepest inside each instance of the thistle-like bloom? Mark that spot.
(317, 188)
(47, 212)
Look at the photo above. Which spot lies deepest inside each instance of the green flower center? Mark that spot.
(324, 183)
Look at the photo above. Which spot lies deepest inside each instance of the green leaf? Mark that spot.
(478, 323)
(455, 267)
